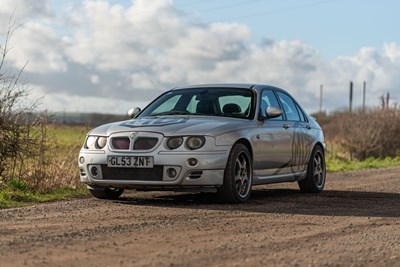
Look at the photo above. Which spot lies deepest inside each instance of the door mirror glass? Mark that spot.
(133, 112)
(273, 112)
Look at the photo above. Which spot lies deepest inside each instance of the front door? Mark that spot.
(274, 140)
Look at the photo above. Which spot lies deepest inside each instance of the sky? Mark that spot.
(109, 56)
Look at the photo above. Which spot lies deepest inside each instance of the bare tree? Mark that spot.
(20, 125)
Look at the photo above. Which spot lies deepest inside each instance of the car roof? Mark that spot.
(253, 86)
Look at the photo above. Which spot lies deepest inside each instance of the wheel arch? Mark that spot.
(247, 144)
(317, 144)
(321, 146)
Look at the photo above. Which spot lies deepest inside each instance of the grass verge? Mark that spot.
(16, 193)
(370, 163)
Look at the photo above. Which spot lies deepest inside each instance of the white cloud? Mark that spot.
(95, 79)
(112, 38)
(392, 51)
(23, 10)
(75, 103)
(37, 44)
(100, 56)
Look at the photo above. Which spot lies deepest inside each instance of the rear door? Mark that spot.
(301, 141)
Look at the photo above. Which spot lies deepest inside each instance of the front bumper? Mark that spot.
(208, 172)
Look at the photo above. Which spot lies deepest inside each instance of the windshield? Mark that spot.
(226, 102)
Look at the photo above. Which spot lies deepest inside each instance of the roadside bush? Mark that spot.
(365, 134)
(26, 149)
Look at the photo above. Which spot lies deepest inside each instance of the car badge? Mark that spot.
(132, 135)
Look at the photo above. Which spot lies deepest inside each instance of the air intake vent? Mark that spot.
(195, 175)
(120, 143)
(153, 174)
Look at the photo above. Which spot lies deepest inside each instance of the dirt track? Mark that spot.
(354, 222)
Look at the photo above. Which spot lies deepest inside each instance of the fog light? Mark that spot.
(192, 162)
(94, 171)
(81, 160)
(171, 172)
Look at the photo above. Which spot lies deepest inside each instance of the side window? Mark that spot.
(289, 107)
(268, 98)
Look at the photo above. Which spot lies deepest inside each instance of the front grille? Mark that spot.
(144, 143)
(140, 143)
(134, 174)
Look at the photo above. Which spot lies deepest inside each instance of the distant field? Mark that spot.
(66, 135)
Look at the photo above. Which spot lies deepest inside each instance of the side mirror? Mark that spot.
(133, 112)
(273, 112)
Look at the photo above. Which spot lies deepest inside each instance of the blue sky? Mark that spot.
(333, 27)
(110, 55)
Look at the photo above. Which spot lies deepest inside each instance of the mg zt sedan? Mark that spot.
(221, 138)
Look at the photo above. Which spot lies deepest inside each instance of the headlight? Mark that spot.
(195, 142)
(90, 141)
(101, 142)
(95, 142)
(174, 142)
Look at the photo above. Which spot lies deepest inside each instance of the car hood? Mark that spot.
(174, 125)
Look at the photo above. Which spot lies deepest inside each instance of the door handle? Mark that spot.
(285, 126)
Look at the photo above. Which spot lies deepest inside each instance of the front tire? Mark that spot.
(107, 193)
(316, 173)
(238, 176)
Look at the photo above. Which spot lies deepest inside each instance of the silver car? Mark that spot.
(221, 138)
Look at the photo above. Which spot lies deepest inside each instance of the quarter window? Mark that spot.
(302, 116)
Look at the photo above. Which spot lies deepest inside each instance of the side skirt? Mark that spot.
(278, 178)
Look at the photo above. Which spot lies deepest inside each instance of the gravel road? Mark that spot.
(355, 221)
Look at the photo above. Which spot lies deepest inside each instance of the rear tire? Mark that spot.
(316, 173)
(238, 176)
(107, 193)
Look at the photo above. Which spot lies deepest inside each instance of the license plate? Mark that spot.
(130, 162)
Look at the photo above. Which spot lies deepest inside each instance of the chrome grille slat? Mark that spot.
(138, 143)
